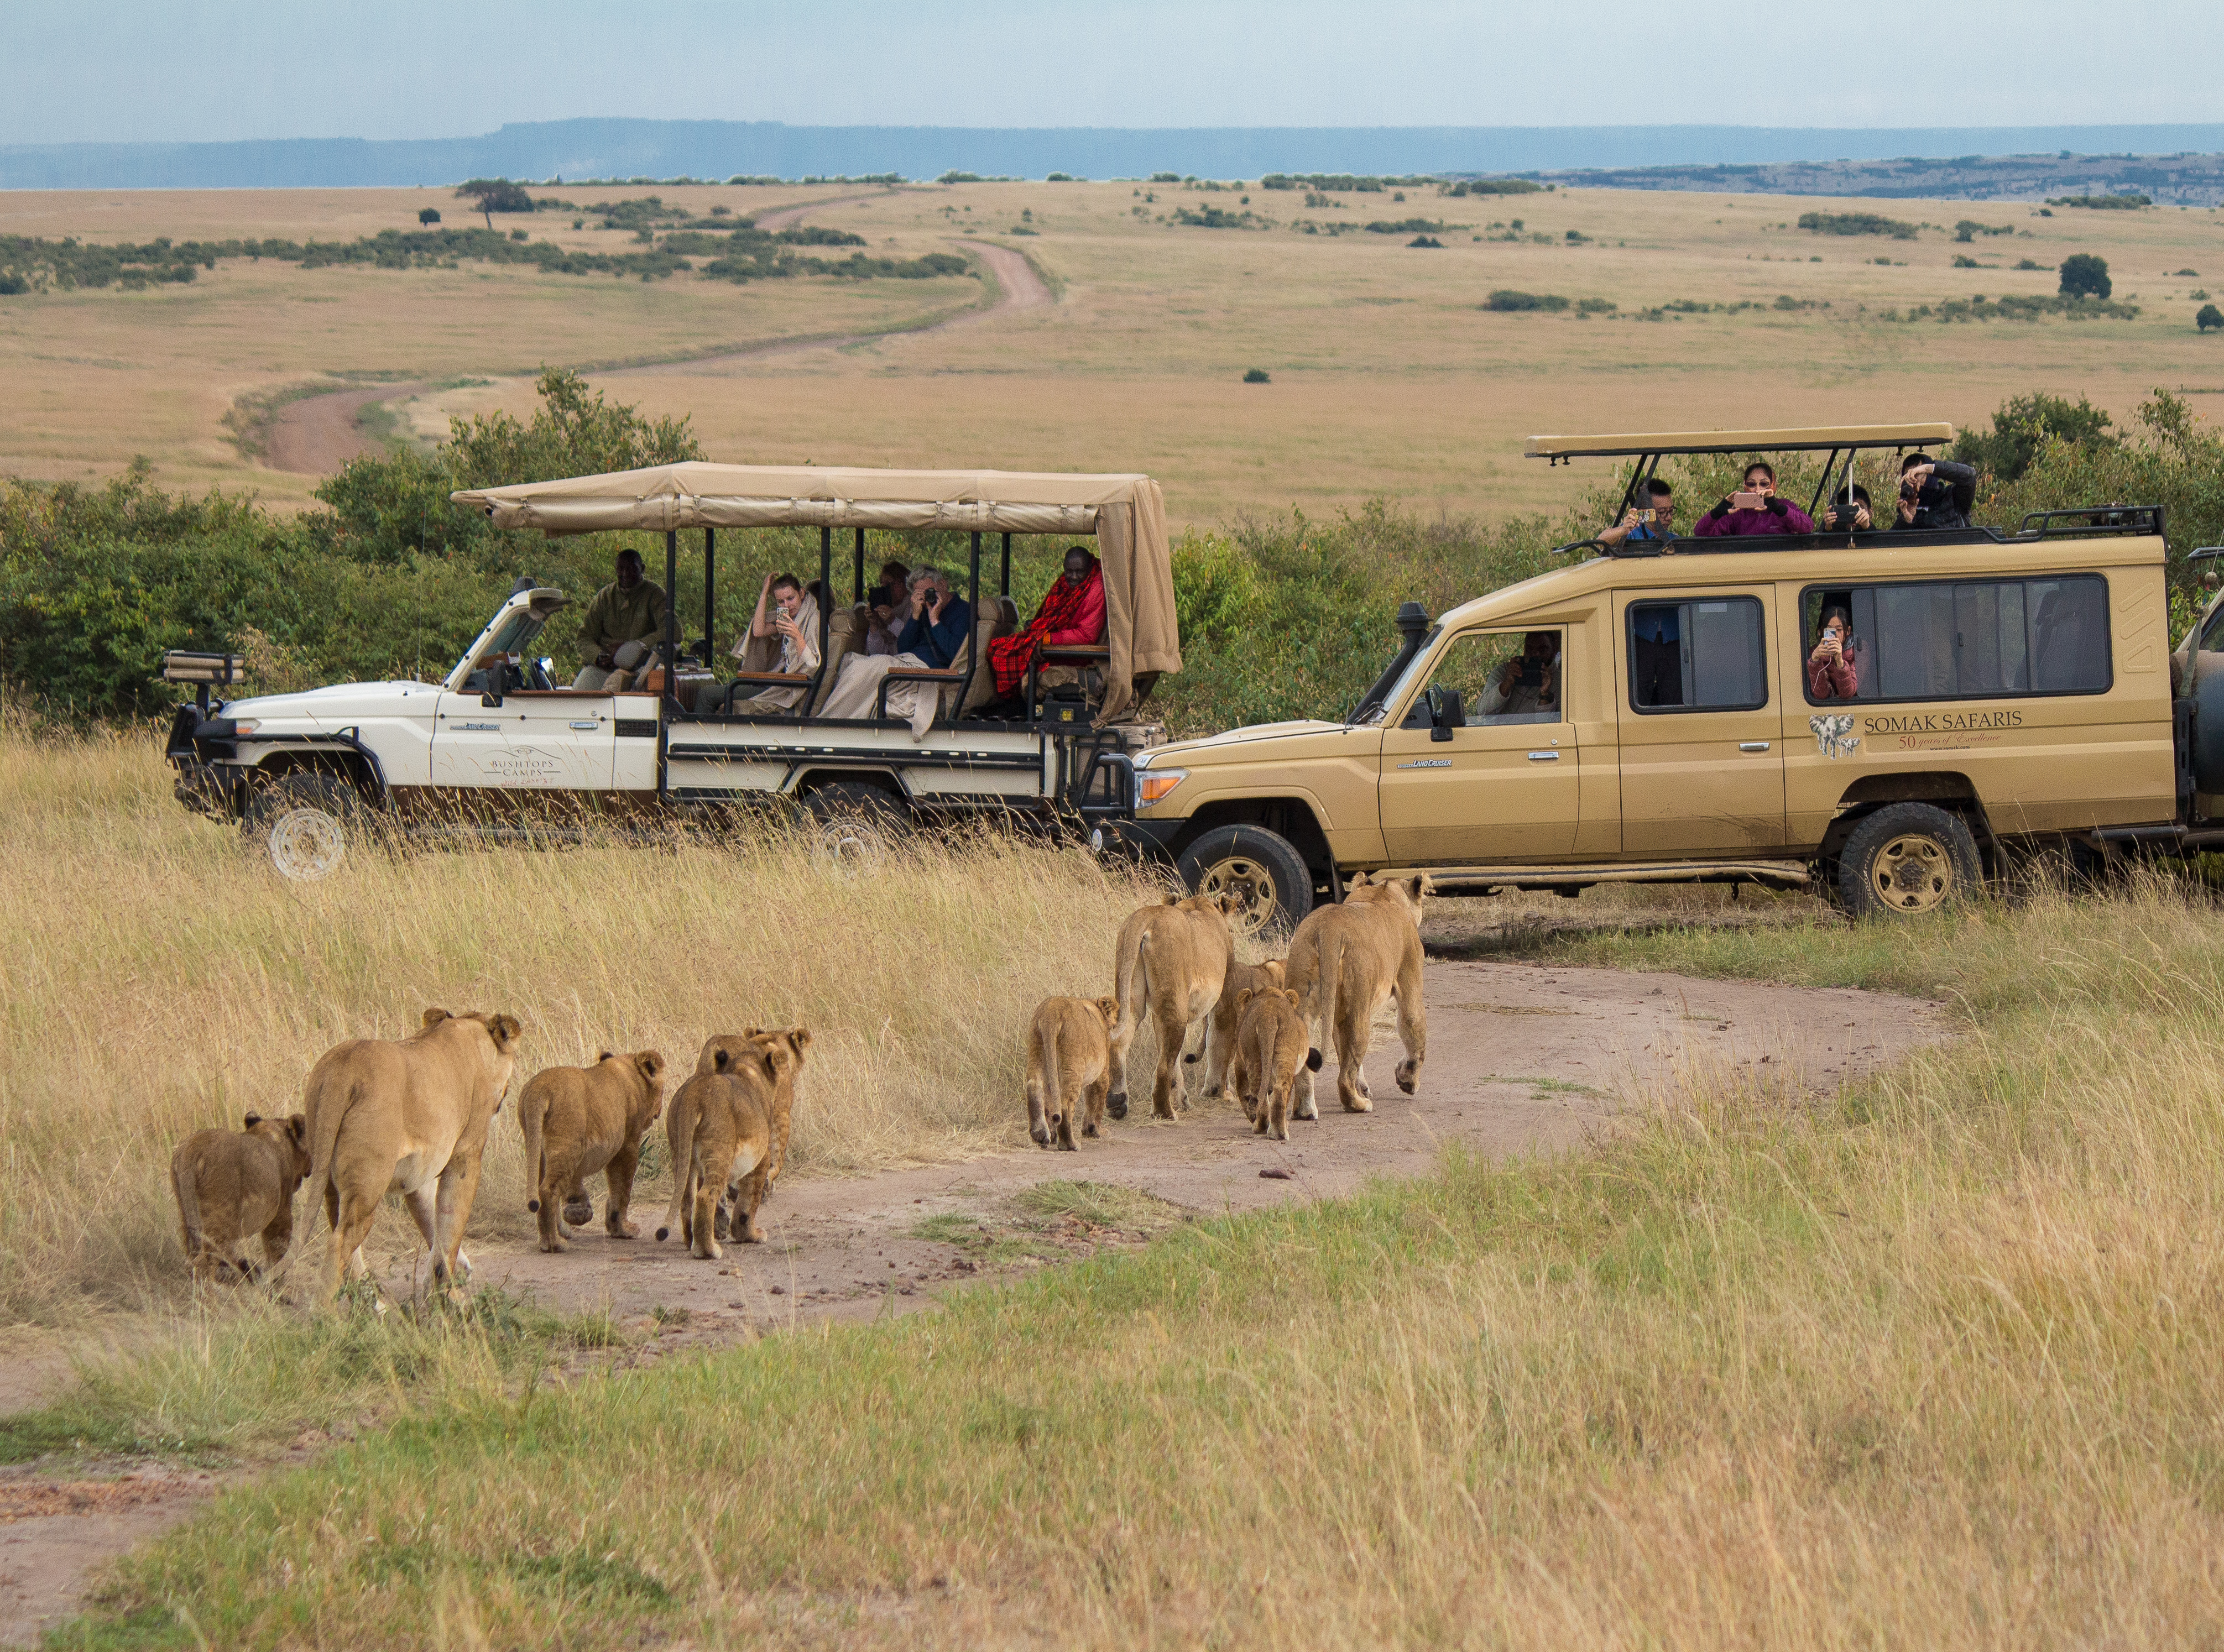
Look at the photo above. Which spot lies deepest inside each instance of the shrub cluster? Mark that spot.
(1508, 298)
(1857, 224)
(2101, 203)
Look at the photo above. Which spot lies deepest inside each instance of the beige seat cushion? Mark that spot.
(845, 636)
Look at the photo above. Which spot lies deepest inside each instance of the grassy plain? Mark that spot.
(1927, 1365)
(158, 984)
(1387, 378)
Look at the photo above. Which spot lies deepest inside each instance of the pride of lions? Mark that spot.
(410, 1116)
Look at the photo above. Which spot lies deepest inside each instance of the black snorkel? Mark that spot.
(1414, 627)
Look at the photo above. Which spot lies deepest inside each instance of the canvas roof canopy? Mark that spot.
(1126, 513)
(1817, 439)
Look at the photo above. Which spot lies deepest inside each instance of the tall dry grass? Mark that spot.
(158, 981)
(1932, 1365)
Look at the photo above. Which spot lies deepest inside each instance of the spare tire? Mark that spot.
(2208, 723)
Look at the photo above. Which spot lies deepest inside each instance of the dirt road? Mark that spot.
(316, 435)
(1522, 1058)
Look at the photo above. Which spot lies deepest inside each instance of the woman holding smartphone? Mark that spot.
(1755, 508)
(1832, 671)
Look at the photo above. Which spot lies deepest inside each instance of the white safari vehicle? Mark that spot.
(499, 745)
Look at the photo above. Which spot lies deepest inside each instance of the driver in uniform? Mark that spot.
(620, 628)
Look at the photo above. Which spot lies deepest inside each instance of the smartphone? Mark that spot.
(1644, 513)
(1747, 502)
(1533, 673)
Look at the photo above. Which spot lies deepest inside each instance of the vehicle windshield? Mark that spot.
(512, 637)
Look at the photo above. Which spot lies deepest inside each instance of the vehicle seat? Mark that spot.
(1008, 617)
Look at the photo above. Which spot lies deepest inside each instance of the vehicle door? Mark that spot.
(534, 740)
(1701, 749)
(1482, 765)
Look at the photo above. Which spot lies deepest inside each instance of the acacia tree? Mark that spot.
(2085, 276)
(429, 216)
(494, 195)
(2210, 316)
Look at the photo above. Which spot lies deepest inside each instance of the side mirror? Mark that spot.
(1445, 714)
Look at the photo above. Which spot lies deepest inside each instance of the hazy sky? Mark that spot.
(212, 69)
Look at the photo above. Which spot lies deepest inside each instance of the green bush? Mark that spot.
(2085, 276)
(1257, 375)
(2101, 203)
(1857, 224)
(2209, 316)
(1507, 298)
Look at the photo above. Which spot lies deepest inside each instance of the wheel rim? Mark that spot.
(850, 846)
(306, 844)
(1913, 872)
(1252, 887)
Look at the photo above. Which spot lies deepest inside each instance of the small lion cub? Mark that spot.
(1269, 1047)
(230, 1183)
(1069, 1066)
(581, 1120)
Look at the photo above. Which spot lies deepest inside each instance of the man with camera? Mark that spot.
(1934, 493)
(1526, 686)
(1652, 525)
(1755, 508)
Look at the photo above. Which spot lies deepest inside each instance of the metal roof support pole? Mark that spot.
(825, 618)
(669, 700)
(1646, 464)
(973, 620)
(1004, 583)
(859, 597)
(709, 588)
(1822, 487)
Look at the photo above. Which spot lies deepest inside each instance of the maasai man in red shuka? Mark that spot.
(1071, 617)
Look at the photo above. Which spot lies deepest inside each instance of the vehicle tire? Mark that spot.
(1906, 859)
(305, 823)
(1262, 868)
(855, 823)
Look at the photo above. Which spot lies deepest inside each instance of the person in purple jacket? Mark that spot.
(1755, 510)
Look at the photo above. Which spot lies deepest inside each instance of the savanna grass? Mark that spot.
(1931, 1364)
(159, 981)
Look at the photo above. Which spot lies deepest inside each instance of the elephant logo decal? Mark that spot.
(1833, 735)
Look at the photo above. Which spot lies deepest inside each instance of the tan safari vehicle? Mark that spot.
(1649, 714)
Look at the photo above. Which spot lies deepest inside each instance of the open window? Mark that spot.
(1493, 679)
(1970, 638)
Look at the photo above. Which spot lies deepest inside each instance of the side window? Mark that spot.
(1703, 654)
(1961, 640)
(1501, 678)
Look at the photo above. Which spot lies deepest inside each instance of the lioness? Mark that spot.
(1220, 1034)
(1069, 1065)
(723, 1129)
(1270, 1048)
(581, 1120)
(230, 1183)
(1170, 961)
(1344, 961)
(409, 1116)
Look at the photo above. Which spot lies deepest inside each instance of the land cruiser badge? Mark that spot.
(1833, 735)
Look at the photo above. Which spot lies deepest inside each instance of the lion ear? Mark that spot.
(1174, 901)
(1358, 882)
(1418, 886)
(433, 1017)
(751, 1033)
(1110, 1009)
(298, 1127)
(1246, 996)
(607, 1055)
(802, 1037)
(721, 1059)
(253, 1120)
(1276, 970)
(650, 1062)
(1290, 993)
(506, 1029)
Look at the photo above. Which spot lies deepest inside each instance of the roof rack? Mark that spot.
(2089, 522)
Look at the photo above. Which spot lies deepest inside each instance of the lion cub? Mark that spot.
(1269, 1047)
(728, 1124)
(581, 1120)
(230, 1183)
(1219, 1052)
(1069, 1066)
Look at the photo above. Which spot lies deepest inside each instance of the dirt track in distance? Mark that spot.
(316, 435)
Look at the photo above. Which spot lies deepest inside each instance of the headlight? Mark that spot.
(1153, 785)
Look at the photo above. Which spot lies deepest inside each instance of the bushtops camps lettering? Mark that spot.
(1939, 722)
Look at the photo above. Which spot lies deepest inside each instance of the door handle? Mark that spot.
(1544, 757)
(1752, 745)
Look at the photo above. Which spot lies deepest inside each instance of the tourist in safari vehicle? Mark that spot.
(1880, 716)
(1042, 731)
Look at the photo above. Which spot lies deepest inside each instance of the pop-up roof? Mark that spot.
(1817, 438)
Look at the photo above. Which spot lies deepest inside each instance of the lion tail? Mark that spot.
(1053, 1103)
(533, 1114)
(682, 1155)
(1132, 981)
(189, 1209)
(1327, 983)
(328, 1100)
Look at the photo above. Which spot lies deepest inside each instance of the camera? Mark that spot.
(1531, 672)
